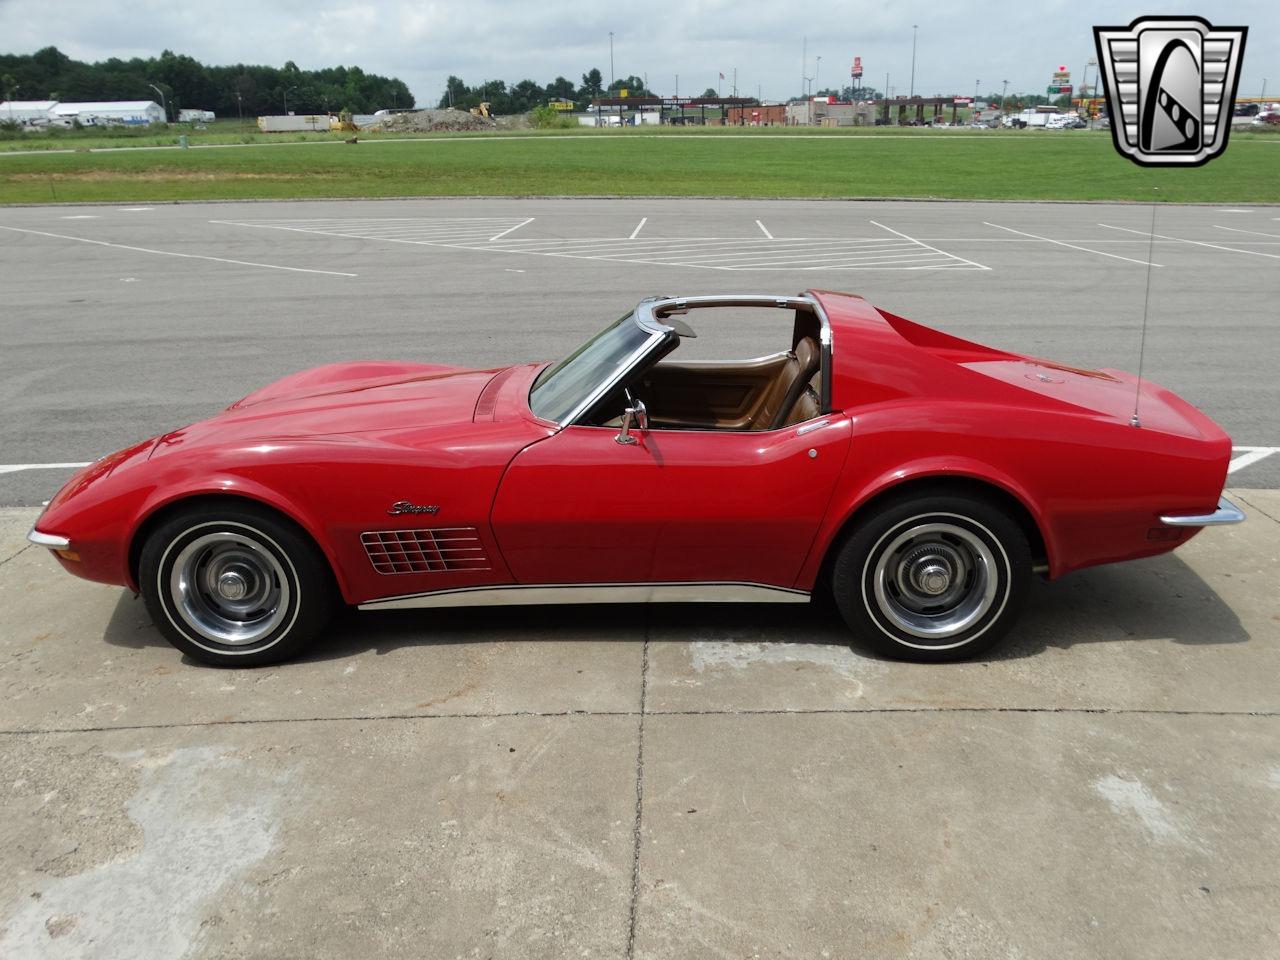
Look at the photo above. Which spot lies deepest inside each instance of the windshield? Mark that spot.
(561, 389)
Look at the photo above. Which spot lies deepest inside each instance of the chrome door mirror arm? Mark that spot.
(635, 416)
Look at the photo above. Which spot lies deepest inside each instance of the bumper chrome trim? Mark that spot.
(1226, 513)
(52, 541)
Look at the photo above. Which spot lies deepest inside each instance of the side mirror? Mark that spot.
(634, 417)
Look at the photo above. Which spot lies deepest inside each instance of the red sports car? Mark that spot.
(920, 478)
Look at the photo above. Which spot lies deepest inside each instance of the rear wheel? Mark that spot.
(235, 585)
(933, 578)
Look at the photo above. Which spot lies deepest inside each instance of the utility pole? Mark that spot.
(677, 86)
(611, 77)
(804, 64)
(240, 106)
(735, 81)
(1264, 88)
(914, 28)
(1003, 96)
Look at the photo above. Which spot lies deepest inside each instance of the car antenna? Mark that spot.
(1146, 304)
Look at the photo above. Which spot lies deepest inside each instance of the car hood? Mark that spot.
(343, 400)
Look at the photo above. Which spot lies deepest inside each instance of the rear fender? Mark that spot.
(847, 501)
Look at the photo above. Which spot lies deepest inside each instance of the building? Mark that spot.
(828, 112)
(27, 111)
(759, 115)
(101, 113)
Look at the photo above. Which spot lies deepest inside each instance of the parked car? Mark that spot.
(919, 478)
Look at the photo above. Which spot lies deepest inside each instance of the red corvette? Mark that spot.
(920, 478)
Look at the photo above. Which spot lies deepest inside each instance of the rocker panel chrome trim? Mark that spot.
(581, 593)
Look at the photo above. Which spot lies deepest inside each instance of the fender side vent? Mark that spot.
(425, 551)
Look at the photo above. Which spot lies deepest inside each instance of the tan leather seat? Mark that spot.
(809, 404)
(791, 382)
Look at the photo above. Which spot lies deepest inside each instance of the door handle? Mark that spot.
(810, 427)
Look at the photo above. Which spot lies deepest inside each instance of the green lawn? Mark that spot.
(771, 162)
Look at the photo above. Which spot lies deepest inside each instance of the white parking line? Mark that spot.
(763, 230)
(934, 249)
(498, 236)
(1197, 243)
(1256, 233)
(1062, 243)
(19, 467)
(1251, 455)
(892, 251)
(170, 253)
(80, 216)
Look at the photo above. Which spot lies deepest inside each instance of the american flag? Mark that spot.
(722, 76)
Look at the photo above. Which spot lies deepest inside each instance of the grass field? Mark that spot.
(772, 162)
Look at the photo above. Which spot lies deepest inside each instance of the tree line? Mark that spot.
(253, 90)
(526, 94)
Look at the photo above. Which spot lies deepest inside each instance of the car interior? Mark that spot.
(765, 393)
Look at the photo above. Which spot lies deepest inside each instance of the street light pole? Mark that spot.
(914, 28)
(611, 77)
(1003, 95)
(1091, 62)
(817, 69)
(163, 105)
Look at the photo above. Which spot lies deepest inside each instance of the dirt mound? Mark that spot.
(424, 121)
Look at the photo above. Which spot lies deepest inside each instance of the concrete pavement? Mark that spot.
(666, 782)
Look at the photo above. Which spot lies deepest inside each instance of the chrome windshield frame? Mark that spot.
(649, 315)
(658, 333)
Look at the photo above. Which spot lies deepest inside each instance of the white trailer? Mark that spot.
(196, 116)
(293, 123)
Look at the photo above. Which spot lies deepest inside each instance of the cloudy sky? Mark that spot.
(423, 41)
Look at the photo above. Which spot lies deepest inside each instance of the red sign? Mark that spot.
(856, 73)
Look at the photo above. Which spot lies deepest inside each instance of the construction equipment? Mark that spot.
(343, 122)
(482, 110)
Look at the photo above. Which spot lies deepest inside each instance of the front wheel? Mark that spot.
(235, 585)
(933, 578)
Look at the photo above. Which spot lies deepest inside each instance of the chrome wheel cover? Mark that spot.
(933, 579)
(229, 587)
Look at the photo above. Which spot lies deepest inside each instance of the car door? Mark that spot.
(676, 506)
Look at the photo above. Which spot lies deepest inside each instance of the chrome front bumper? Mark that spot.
(1227, 512)
(48, 540)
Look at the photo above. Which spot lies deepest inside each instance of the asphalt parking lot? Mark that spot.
(632, 782)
